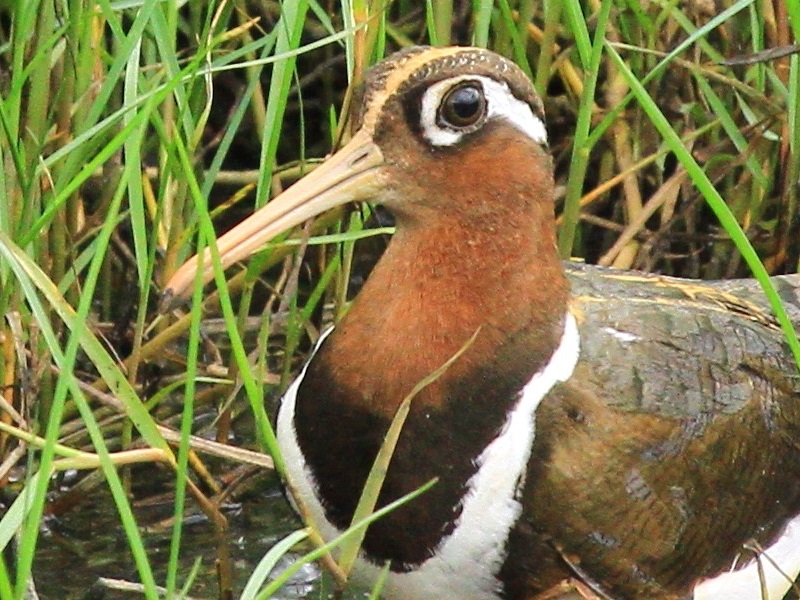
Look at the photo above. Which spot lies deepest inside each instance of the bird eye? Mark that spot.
(463, 106)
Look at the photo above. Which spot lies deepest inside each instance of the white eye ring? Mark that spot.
(500, 103)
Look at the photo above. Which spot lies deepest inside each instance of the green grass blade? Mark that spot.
(133, 169)
(576, 23)
(267, 564)
(582, 143)
(482, 9)
(290, 27)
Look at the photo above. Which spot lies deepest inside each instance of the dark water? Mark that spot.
(86, 542)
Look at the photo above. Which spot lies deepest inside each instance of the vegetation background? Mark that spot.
(132, 130)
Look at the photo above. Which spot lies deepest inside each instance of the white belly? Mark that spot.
(779, 564)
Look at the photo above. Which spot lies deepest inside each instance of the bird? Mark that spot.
(636, 433)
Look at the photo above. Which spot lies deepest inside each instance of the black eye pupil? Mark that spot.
(463, 106)
(466, 103)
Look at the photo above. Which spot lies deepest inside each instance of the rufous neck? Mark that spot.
(439, 284)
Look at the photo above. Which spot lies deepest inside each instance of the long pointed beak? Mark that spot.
(354, 173)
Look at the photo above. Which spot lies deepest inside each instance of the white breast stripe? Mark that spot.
(300, 476)
(745, 584)
(501, 104)
(465, 565)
